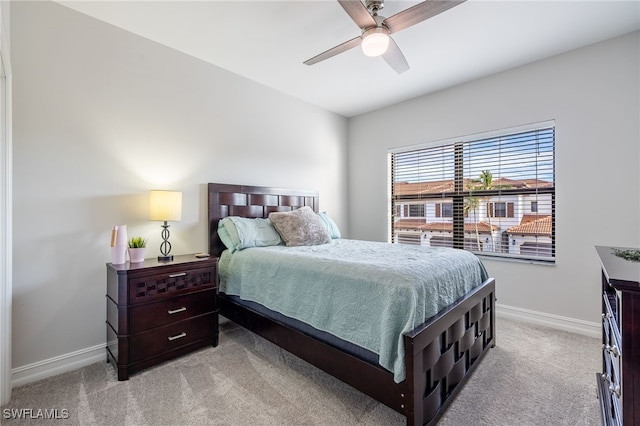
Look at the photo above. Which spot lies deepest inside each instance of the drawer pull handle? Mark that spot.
(181, 274)
(611, 349)
(175, 311)
(615, 389)
(614, 350)
(179, 336)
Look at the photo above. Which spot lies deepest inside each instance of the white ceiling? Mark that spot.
(267, 41)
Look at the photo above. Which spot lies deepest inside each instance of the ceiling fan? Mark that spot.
(376, 30)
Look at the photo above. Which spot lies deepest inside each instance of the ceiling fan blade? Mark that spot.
(418, 13)
(358, 12)
(334, 51)
(395, 58)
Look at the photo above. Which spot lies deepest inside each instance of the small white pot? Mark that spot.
(136, 255)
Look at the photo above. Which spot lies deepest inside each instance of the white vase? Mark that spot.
(119, 244)
(136, 255)
(118, 255)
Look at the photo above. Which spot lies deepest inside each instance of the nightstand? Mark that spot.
(157, 311)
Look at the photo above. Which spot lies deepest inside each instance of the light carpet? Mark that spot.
(534, 376)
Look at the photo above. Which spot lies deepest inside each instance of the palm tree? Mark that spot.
(485, 183)
(486, 177)
(471, 204)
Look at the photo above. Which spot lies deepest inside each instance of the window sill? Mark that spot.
(485, 256)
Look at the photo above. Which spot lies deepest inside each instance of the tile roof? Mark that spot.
(532, 225)
(409, 223)
(438, 186)
(420, 225)
(526, 218)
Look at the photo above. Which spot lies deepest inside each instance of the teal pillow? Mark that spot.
(223, 232)
(329, 223)
(238, 233)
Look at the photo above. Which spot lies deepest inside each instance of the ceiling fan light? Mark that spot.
(375, 41)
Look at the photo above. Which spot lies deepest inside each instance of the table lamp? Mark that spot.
(165, 206)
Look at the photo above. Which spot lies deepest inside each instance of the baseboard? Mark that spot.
(71, 361)
(587, 328)
(57, 365)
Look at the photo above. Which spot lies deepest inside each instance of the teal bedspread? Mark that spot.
(368, 293)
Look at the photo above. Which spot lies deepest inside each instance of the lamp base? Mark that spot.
(167, 258)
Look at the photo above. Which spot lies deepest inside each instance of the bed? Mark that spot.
(438, 355)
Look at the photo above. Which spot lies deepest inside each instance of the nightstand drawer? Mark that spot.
(145, 288)
(146, 317)
(172, 336)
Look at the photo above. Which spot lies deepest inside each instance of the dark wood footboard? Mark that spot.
(441, 354)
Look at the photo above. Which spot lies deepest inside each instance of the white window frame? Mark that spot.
(478, 137)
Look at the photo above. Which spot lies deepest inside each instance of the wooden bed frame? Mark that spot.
(440, 354)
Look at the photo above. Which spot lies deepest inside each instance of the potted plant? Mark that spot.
(137, 249)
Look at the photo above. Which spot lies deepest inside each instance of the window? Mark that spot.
(444, 210)
(416, 210)
(409, 210)
(493, 194)
(500, 209)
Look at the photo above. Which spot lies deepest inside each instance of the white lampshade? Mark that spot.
(165, 205)
(375, 41)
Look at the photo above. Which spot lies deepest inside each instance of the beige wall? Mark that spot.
(100, 117)
(593, 95)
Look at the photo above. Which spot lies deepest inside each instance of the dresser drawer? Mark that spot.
(167, 311)
(610, 319)
(146, 288)
(172, 336)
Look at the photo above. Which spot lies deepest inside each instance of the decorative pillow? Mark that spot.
(331, 226)
(300, 227)
(238, 233)
(225, 236)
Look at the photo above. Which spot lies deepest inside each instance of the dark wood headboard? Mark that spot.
(251, 201)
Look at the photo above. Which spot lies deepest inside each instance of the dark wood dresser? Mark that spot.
(159, 310)
(619, 382)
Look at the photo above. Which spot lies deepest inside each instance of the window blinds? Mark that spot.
(498, 189)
